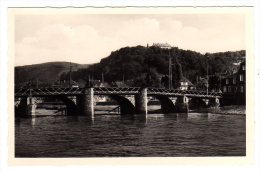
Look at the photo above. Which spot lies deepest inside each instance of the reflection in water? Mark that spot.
(182, 117)
(33, 121)
(171, 116)
(139, 120)
(72, 118)
(158, 135)
(198, 116)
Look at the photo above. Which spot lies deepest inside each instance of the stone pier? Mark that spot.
(131, 100)
(88, 102)
(141, 102)
(182, 104)
(27, 107)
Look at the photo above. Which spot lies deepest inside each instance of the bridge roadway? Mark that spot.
(55, 91)
(171, 100)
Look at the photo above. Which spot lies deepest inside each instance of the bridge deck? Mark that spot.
(69, 91)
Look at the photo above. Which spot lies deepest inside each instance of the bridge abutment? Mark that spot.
(141, 102)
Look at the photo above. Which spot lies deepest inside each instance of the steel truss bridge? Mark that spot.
(72, 91)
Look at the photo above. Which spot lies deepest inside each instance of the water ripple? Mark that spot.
(113, 136)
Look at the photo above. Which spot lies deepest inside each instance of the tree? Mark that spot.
(143, 66)
(176, 73)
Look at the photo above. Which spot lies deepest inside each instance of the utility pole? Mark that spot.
(170, 72)
(102, 80)
(37, 83)
(89, 80)
(123, 74)
(207, 79)
(70, 76)
(220, 78)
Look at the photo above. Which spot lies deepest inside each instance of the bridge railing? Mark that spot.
(176, 92)
(48, 91)
(111, 90)
(116, 90)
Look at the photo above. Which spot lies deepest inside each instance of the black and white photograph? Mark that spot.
(130, 85)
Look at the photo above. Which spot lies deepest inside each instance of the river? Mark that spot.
(159, 135)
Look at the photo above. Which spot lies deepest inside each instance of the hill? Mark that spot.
(145, 66)
(138, 66)
(46, 73)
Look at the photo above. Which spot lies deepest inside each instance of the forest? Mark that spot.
(146, 66)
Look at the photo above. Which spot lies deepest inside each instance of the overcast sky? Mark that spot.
(88, 38)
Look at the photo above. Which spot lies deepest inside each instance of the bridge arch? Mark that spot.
(167, 105)
(126, 106)
(21, 108)
(197, 103)
(71, 106)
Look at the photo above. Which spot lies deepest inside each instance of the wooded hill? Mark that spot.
(137, 66)
(144, 66)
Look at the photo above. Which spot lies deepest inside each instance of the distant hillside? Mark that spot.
(138, 66)
(45, 72)
(144, 66)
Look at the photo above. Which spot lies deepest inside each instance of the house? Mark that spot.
(98, 83)
(235, 83)
(185, 84)
(234, 87)
(66, 83)
(162, 45)
(119, 84)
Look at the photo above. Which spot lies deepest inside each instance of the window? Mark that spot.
(227, 81)
(241, 89)
(229, 89)
(235, 89)
(241, 77)
(224, 89)
(243, 67)
(234, 80)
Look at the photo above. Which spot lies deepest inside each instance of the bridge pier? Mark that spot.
(141, 102)
(85, 99)
(88, 102)
(27, 107)
(182, 104)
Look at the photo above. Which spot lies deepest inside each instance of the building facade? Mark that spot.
(234, 86)
(185, 84)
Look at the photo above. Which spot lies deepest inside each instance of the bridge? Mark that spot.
(132, 100)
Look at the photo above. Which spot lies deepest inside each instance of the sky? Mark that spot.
(87, 38)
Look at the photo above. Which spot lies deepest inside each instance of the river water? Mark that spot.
(172, 135)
